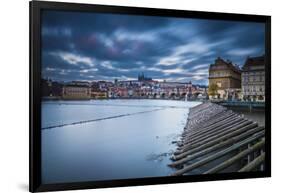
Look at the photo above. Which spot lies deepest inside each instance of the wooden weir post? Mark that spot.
(253, 164)
(235, 158)
(214, 148)
(213, 132)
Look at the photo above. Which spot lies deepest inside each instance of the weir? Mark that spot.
(101, 119)
(218, 140)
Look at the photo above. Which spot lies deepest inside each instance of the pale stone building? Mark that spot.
(253, 79)
(226, 77)
(76, 90)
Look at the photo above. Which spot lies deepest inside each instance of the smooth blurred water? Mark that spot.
(136, 145)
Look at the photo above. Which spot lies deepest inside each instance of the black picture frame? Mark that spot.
(36, 8)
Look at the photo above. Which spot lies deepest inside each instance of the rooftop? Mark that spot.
(221, 64)
(254, 61)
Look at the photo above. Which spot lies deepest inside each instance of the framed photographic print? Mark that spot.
(124, 96)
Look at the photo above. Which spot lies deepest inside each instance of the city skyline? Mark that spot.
(94, 46)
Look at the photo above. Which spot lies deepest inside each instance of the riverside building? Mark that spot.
(253, 79)
(225, 78)
(76, 90)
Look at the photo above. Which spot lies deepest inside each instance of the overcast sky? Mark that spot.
(94, 46)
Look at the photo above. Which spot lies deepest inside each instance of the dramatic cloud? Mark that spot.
(95, 46)
(71, 58)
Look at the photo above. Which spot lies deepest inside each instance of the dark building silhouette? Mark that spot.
(50, 88)
(142, 77)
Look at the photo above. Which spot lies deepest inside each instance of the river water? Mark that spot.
(109, 139)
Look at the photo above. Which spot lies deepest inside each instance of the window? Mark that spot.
(251, 79)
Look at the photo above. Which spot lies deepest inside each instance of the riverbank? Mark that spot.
(121, 98)
(239, 105)
(219, 140)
